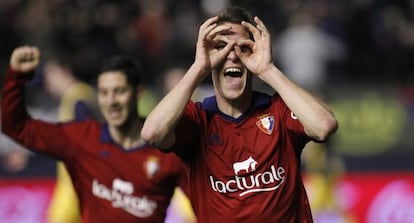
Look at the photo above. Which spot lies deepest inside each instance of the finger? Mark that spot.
(204, 32)
(222, 53)
(35, 55)
(252, 29)
(26, 56)
(20, 54)
(229, 46)
(246, 43)
(222, 29)
(208, 25)
(209, 22)
(244, 48)
(29, 54)
(261, 26)
(219, 39)
(205, 28)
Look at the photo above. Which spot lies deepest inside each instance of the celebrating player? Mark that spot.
(242, 147)
(116, 175)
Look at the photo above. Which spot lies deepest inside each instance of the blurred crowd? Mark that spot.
(318, 43)
(359, 39)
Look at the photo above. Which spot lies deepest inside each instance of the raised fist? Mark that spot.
(25, 59)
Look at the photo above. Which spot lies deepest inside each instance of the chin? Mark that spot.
(114, 123)
(233, 96)
(234, 93)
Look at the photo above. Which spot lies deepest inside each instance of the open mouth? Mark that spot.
(233, 72)
(233, 77)
(114, 113)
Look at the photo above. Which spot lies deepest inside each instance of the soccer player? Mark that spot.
(242, 147)
(116, 175)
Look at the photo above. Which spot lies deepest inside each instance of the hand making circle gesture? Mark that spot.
(208, 56)
(259, 59)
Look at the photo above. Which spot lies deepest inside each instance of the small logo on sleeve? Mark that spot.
(266, 123)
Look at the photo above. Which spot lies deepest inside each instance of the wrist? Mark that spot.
(269, 70)
(21, 77)
(200, 68)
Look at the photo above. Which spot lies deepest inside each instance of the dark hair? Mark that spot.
(235, 14)
(127, 65)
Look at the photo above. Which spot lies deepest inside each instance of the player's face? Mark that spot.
(116, 98)
(231, 79)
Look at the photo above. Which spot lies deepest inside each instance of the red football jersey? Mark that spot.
(113, 184)
(246, 169)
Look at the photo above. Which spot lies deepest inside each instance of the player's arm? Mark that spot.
(16, 122)
(160, 124)
(23, 62)
(316, 117)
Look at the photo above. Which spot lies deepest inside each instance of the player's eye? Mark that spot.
(121, 90)
(245, 49)
(102, 92)
(220, 45)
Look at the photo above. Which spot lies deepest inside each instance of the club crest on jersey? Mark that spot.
(266, 123)
(151, 166)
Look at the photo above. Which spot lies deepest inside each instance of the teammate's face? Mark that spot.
(231, 79)
(116, 98)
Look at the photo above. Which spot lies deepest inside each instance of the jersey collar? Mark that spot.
(106, 138)
(259, 100)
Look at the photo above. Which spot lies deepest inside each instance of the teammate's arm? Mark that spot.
(36, 135)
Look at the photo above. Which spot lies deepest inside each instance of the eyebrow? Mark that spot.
(227, 32)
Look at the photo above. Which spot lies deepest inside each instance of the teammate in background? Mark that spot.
(242, 147)
(116, 175)
(77, 101)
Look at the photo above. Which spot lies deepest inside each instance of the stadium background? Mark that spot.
(364, 174)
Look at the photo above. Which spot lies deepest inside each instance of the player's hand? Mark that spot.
(208, 54)
(25, 59)
(256, 55)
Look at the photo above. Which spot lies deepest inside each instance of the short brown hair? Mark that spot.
(235, 14)
(130, 67)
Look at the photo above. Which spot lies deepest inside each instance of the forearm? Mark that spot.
(316, 117)
(14, 113)
(159, 126)
(17, 123)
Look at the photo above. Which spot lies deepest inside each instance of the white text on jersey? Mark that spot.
(121, 197)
